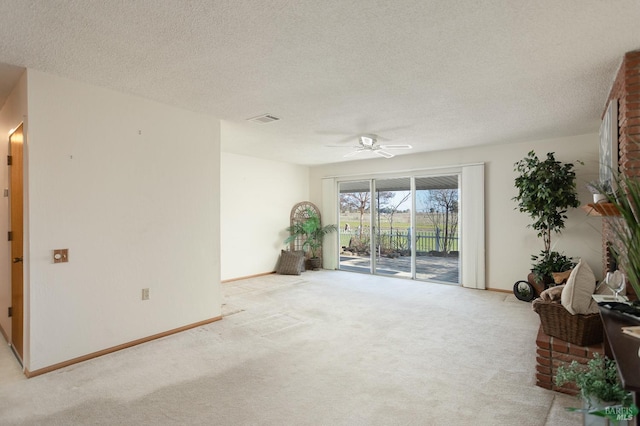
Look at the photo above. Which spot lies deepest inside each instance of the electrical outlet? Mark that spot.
(145, 294)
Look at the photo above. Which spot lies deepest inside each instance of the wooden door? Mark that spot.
(16, 140)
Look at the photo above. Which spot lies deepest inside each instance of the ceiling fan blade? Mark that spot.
(384, 154)
(402, 146)
(352, 153)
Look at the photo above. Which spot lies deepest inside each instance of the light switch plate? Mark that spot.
(60, 255)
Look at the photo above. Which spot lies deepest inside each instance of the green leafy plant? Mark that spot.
(546, 190)
(596, 187)
(626, 228)
(310, 231)
(546, 263)
(598, 380)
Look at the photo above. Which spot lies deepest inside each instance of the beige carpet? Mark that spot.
(325, 348)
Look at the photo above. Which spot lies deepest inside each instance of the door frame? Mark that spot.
(471, 228)
(16, 229)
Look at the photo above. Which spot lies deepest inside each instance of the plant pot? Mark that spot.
(599, 198)
(315, 263)
(538, 285)
(596, 404)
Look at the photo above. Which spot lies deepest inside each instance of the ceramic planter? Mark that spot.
(593, 420)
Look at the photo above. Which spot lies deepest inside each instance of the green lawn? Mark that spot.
(400, 221)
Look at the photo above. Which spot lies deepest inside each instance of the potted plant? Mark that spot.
(603, 397)
(546, 190)
(311, 232)
(545, 264)
(601, 192)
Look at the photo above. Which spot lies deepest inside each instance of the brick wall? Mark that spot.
(552, 352)
(629, 114)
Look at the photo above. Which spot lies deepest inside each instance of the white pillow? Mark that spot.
(576, 296)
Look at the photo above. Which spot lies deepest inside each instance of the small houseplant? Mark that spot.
(601, 192)
(600, 388)
(546, 190)
(545, 264)
(311, 233)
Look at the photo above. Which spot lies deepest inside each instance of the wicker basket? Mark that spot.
(582, 330)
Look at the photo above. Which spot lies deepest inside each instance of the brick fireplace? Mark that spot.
(551, 351)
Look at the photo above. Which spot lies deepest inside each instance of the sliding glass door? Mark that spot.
(392, 216)
(437, 225)
(405, 227)
(355, 226)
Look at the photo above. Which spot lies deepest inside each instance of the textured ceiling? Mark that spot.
(433, 74)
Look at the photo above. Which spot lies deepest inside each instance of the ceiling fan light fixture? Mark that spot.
(367, 141)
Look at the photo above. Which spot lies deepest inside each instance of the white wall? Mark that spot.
(136, 191)
(12, 113)
(509, 243)
(256, 200)
(131, 188)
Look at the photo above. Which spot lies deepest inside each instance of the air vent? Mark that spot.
(263, 119)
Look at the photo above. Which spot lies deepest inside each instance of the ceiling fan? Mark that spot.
(370, 143)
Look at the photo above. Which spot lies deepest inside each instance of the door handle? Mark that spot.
(17, 259)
